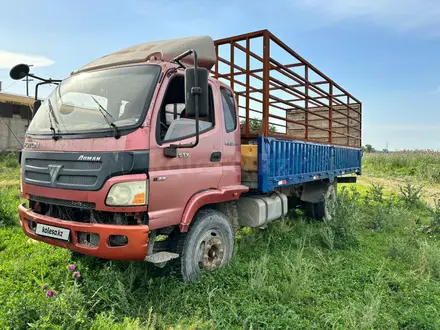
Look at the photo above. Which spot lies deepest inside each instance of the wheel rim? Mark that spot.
(330, 203)
(211, 251)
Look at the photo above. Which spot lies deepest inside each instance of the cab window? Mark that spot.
(229, 111)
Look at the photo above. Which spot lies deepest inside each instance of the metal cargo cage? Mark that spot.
(290, 101)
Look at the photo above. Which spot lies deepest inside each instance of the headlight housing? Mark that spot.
(128, 194)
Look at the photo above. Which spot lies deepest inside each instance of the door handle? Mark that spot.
(216, 157)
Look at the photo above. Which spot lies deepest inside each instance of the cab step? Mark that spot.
(161, 257)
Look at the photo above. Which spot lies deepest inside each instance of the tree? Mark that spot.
(368, 148)
(255, 126)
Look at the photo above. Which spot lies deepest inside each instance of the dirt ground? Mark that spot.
(430, 192)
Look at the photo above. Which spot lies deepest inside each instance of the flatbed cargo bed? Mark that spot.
(274, 163)
(297, 124)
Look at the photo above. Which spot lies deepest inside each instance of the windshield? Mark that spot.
(85, 102)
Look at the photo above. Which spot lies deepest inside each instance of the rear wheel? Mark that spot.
(314, 211)
(293, 202)
(325, 209)
(207, 246)
(330, 202)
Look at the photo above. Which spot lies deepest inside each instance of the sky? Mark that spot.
(384, 52)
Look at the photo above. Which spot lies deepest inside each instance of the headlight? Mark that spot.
(128, 193)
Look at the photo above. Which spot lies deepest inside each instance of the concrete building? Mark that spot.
(15, 116)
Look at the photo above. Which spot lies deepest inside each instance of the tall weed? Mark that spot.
(340, 232)
(9, 168)
(403, 250)
(258, 273)
(391, 217)
(420, 164)
(299, 272)
(375, 194)
(429, 262)
(8, 159)
(9, 200)
(365, 311)
(411, 194)
(434, 225)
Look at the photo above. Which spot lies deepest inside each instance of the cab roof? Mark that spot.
(163, 50)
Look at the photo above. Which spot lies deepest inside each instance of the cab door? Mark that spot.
(173, 181)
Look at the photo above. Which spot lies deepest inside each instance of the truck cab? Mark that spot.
(96, 167)
(139, 155)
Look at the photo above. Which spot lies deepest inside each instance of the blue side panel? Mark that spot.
(286, 162)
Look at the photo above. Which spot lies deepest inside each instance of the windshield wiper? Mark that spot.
(108, 117)
(52, 119)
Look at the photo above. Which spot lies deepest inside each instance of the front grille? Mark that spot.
(77, 180)
(61, 170)
(36, 176)
(87, 171)
(62, 202)
(67, 164)
(60, 180)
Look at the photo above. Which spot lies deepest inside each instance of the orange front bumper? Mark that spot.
(136, 248)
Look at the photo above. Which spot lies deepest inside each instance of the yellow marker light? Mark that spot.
(139, 199)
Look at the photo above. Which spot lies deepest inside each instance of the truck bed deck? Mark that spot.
(275, 163)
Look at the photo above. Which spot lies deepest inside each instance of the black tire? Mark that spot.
(323, 210)
(208, 245)
(315, 211)
(293, 202)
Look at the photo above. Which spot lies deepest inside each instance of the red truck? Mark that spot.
(162, 151)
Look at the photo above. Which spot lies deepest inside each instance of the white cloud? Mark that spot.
(9, 59)
(402, 15)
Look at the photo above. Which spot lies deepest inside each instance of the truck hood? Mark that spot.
(137, 140)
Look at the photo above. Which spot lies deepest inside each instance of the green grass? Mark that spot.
(376, 266)
(9, 170)
(9, 194)
(420, 165)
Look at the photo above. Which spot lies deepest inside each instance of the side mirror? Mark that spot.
(35, 107)
(196, 99)
(19, 71)
(193, 88)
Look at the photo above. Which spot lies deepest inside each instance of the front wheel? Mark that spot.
(207, 246)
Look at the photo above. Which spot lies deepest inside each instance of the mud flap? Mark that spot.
(314, 192)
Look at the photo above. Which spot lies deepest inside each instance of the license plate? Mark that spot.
(53, 232)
